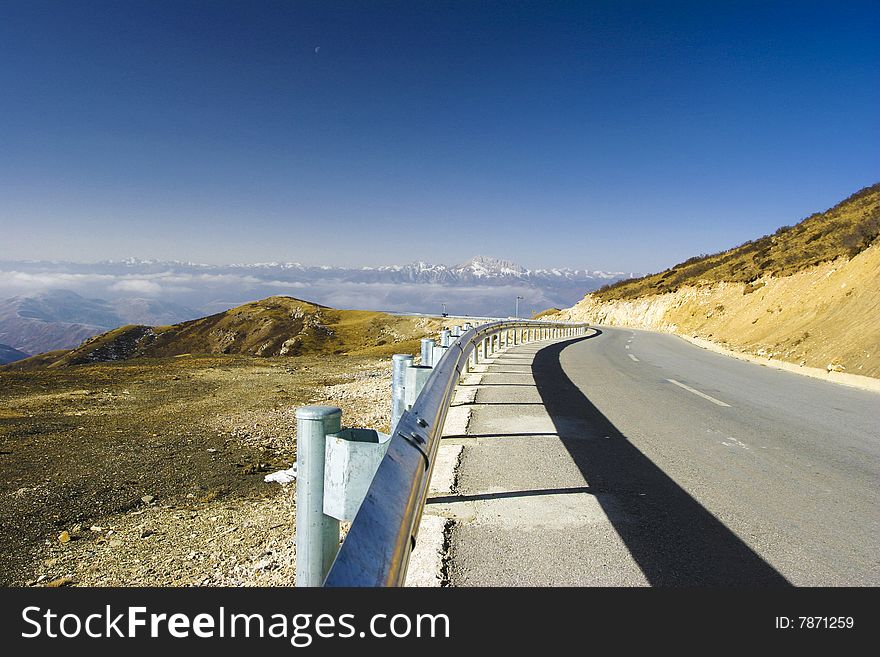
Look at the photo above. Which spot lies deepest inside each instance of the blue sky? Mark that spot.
(612, 135)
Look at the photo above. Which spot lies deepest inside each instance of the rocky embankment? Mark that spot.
(827, 316)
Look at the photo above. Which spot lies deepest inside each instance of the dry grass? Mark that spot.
(844, 231)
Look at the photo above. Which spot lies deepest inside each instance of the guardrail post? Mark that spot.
(444, 337)
(399, 363)
(416, 377)
(317, 535)
(427, 351)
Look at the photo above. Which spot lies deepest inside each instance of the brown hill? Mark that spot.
(844, 231)
(807, 295)
(276, 326)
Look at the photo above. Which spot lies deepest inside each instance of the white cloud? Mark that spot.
(138, 286)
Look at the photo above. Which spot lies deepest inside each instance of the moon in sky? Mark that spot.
(317, 49)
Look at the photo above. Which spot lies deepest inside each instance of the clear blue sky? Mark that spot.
(613, 135)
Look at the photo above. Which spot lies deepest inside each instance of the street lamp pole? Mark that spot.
(517, 306)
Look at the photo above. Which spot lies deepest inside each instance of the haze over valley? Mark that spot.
(57, 305)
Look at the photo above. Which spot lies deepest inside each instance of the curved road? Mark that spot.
(637, 458)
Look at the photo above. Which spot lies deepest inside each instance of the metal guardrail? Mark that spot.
(382, 536)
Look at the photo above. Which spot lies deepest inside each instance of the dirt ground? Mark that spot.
(150, 472)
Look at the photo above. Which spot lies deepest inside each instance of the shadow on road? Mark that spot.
(674, 539)
(448, 499)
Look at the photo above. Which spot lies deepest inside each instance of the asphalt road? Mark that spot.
(636, 458)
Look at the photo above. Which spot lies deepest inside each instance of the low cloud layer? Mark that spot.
(211, 289)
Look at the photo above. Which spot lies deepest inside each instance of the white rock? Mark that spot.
(282, 476)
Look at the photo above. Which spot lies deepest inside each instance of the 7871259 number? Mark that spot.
(815, 622)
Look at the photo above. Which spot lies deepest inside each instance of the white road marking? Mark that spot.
(633, 357)
(733, 442)
(698, 393)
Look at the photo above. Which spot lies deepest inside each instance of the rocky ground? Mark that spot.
(151, 472)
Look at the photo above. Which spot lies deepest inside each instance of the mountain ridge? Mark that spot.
(842, 231)
(486, 265)
(10, 354)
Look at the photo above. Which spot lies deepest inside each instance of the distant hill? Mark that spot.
(61, 319)
(9, 355)
(845, 230)
(276, 326)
